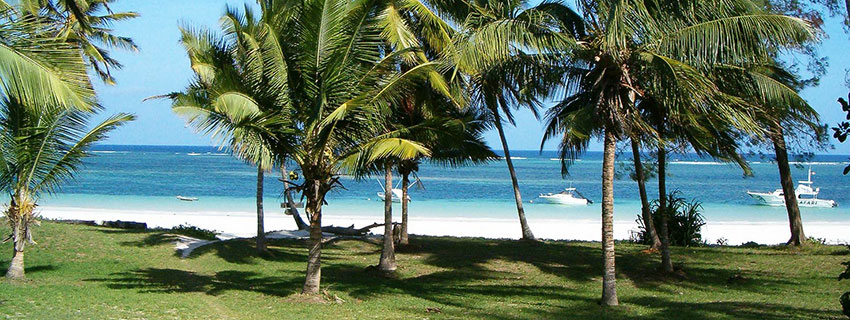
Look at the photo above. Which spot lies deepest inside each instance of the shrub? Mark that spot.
(750, 244)
(195, 232)
(684, 223)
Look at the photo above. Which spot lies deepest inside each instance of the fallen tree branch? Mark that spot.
(351, 231)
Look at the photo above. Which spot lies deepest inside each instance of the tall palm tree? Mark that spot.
(47, 101)
(86, 25)
(230, 101)
(40, 149)
(773, 90)
(327, 60)
(706, 133)
(500, 50)
(454, 137)
(646, 214)
(639, 50)
(458, 143)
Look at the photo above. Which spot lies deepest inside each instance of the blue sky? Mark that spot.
(161, 67)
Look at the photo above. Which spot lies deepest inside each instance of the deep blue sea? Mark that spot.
(149, 178)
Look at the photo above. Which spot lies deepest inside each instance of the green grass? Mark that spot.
(99, 273)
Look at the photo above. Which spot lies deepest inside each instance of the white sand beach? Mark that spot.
(243, 224)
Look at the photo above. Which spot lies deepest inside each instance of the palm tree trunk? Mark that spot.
(299, 223)
(261, 233)
(387, 262)
(20, 236)
(526, 230)
(16, 268)
(644, 199)
(313, 278)
(795, 221)
(609, 278)
(405, 184)
(666, 261)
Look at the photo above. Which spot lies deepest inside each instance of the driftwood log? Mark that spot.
(351, 231)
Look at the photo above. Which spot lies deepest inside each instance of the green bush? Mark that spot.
(195, 232)
(684, 223)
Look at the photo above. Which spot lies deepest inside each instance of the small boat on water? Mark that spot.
(395, 192)
(182, 198)
(396, 195)
(807, 196)
(570, 196)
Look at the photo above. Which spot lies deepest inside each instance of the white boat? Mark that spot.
(396, 194)
(569, 196)
(807, 196)
(182, 198)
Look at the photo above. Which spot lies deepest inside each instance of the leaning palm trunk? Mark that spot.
(403, 238)
(20, 217)
(609, 278)
(795, 221)
(261, 232)
(299, 223)
(315, 197)
(644, 199)
(666, 261)
(387, 262)
(526, 230)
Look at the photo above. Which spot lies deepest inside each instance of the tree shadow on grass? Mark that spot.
(732, 309)
(644, 272)
(577, 263)
(244, 251)
(156, 280)
(240, 250)
(41, 268)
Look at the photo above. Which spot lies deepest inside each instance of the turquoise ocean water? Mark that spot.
(149, 178)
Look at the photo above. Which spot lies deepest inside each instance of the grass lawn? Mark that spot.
(100, 273)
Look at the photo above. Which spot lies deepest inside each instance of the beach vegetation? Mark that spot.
(45, 120)
(94, 272)
(40, 149)
(231, 100)
(194, 232)
(685, 220)
(638, 57)
(332, 78)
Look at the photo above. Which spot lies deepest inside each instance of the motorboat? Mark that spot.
(396, 195)
(570, 196)
(182, 198)
(807, 196)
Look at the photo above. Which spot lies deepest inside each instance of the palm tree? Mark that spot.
(336, 80)
(40, 149)
(501, 50)
(86, 25)
(431, 119)
(231, 102)
(646, 50)
(646, 214)
(773, 90)
(459, 142)
(705, 133)
(47, 101)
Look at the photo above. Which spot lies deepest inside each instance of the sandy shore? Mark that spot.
(243, 224)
